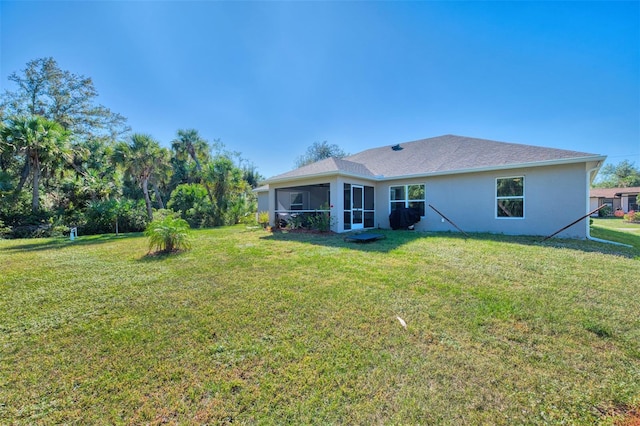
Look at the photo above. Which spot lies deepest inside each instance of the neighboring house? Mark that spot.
(481, 185)
(624, 199)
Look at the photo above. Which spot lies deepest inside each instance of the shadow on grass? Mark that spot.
(64, 242)
(159, 256)
(391, 240)
(395, 239)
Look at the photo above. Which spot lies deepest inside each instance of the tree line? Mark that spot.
(622, 175)
(67, 161)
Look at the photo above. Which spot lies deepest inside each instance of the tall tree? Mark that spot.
(140, 158)
(43, 146)
(225, 180)
(622, 175)
(161, 174)
(189, 143)
(319, 151)
(61, 96)
(251, 175)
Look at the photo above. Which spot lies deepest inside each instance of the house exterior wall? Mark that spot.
(614, 203)
(263, 201)
(594, 203)
(554, 197)
(628, 202)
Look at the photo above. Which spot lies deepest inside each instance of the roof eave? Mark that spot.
(558, 162)
(318, 175)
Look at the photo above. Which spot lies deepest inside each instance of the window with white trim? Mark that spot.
(510, 197)
(408, 196)
(297, 201)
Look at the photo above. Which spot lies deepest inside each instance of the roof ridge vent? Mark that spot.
(397, 147)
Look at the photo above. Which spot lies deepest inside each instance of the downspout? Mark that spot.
(589, 237)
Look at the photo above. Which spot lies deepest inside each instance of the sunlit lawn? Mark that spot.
(257, 328)
(618, 230)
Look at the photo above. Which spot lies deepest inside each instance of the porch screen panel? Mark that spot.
(368, 198)
(357, 204)
(347, 206)
(369, 219)
(369, 207)
(347, 220)
(357, 197)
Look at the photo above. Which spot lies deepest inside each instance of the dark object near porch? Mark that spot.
(364, 238)
(404, 218)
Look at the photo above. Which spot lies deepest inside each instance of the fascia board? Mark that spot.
(598, 158)
(498, 168)
(319, 175)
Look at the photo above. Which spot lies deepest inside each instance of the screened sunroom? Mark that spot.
(352, 208)
(297, 205)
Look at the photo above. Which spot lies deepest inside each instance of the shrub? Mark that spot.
(101, 217)
(168, 234)
(192, 203)
(4, 230)
(604, 211)
(632, 216)
(263, 219)
(296, 221)
(618, 213)
(321, 221)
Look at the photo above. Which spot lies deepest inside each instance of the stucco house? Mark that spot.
(624, 199)
(481, 185)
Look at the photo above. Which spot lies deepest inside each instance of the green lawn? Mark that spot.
(256, 328)
(616, 229)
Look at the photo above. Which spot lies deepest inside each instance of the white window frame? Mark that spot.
(406, 196)
(511, 197)
(293, 196)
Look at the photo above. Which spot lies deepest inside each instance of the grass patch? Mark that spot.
(251, 327)
(616, 229)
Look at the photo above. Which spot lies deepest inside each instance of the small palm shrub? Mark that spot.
(322, 221)
(296, 221)
(263, 219)
(168, 234)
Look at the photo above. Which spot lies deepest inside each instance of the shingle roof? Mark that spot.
(438, 155)
(613, 192)
(328, 166)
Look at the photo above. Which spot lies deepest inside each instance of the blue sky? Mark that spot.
(270, 78)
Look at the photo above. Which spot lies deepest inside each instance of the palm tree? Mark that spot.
(161, 173)
(226, 181)
(189, 143)
(44, 144)
(140, 157)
